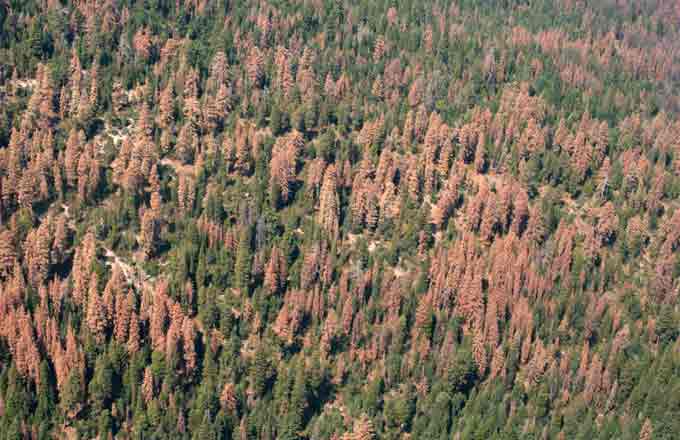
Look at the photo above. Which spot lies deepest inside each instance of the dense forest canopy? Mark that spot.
(335, 219)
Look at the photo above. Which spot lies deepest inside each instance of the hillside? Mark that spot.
(339, 220)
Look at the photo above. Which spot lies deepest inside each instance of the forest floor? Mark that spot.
(135, 275)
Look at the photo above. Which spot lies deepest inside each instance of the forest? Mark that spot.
(339, 219)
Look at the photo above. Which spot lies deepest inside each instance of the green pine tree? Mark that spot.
(243, 261)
